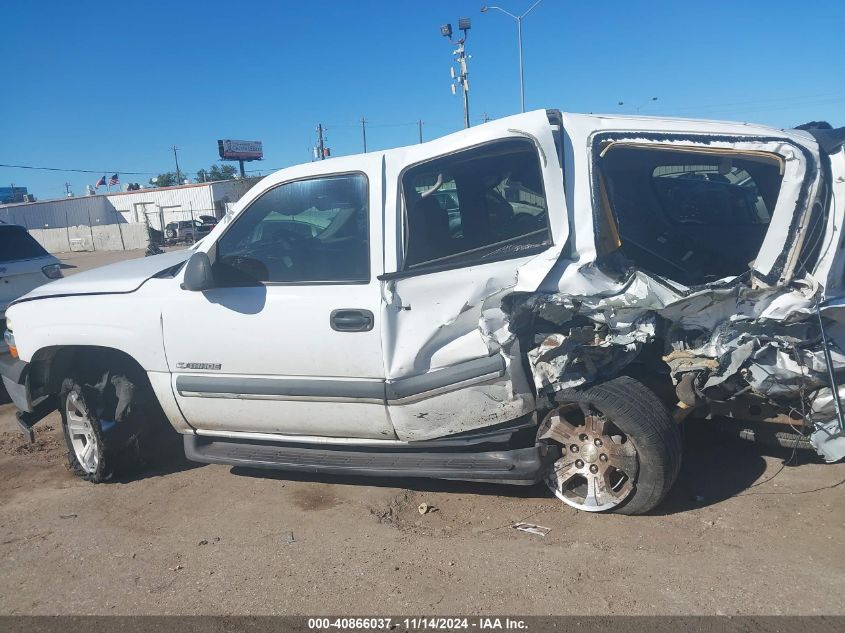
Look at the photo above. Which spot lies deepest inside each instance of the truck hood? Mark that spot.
(119, 278)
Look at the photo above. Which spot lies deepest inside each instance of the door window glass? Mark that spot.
(476, 205)
(305, 231)
(16, 243)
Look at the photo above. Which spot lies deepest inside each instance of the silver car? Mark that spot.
(24, 265)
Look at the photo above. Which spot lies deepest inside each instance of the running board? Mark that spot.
(522, 466)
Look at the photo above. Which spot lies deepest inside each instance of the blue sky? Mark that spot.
(111, 86)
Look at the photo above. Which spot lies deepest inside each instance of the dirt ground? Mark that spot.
(79, 262)
(741, 533)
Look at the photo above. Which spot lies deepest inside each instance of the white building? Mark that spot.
(163, 205)
(156, 206)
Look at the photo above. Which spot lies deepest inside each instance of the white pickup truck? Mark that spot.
(487, 306)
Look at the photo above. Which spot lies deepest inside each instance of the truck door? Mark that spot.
(289, 340)
(479, 215)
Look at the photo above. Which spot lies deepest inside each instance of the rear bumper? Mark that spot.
(522, 466)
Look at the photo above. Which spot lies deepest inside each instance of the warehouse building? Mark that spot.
(112, 221)
(155, 206)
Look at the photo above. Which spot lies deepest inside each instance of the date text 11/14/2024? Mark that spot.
(418, 624)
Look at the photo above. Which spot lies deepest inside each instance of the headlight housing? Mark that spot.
(9, 339)
(52, 271)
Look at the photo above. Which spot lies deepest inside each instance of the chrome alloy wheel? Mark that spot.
(80, 430)
(598, 464)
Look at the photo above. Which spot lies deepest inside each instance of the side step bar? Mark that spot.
(522, 466)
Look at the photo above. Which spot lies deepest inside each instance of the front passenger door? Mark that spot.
(288, 341)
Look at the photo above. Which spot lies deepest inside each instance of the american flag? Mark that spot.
(114, 180)
(100, 183)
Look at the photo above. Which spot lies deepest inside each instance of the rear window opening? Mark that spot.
(691, 216)
(16, 244)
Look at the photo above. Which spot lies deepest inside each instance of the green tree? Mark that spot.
(167, 179)
(217, 172)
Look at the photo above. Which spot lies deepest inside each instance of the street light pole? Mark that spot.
(521, 72)
(519, 19)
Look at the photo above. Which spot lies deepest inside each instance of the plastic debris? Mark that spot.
(537, 530)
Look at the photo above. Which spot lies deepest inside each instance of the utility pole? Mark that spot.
(320, 151)
(364, 132)
(462, 76)
(419, 124)
(178, 173)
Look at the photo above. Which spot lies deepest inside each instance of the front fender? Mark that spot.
(130, 323)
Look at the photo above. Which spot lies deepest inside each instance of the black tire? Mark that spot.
(635, 410)
(109, 452)
(189, 238)
(122, 447)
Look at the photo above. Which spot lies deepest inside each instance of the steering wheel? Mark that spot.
(289, 240)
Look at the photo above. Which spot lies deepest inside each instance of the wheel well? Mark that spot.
(51, 365)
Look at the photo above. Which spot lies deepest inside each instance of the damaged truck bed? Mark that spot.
(756, 334)
(546, 297)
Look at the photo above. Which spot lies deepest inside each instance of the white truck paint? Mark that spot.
(438, 332)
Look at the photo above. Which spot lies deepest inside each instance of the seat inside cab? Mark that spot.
(691, 215)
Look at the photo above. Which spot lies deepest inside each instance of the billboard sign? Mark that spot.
(240, 150)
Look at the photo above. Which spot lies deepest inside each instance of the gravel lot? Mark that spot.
(741, 533)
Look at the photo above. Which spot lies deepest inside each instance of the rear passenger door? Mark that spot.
(473, 216)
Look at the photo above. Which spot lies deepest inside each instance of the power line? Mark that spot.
(83, 171)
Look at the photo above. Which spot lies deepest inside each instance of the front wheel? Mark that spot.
(620, 449)
(112, 426)
(92, 455)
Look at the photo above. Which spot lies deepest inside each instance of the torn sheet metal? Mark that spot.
(584, 321)
(730, 337)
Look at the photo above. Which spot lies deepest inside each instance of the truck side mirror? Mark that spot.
(198, 274)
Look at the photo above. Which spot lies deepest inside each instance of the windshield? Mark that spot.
(16, 243)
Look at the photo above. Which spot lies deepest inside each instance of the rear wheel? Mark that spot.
(620, 449)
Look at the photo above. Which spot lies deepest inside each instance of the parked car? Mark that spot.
(503, 304)
(24, 265)
(208, 220)
(188, 231)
